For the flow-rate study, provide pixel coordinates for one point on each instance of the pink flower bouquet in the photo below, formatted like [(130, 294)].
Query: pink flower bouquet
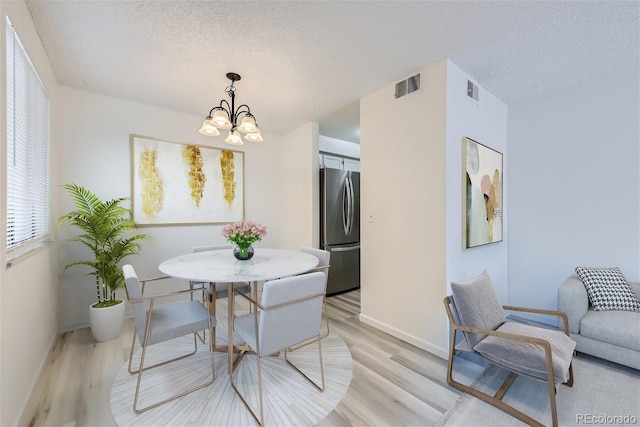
[(244, 233)]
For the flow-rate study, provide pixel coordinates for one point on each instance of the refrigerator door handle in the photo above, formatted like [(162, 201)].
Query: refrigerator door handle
[(352, 204), (345, 249), (345, 206), (347, 186)]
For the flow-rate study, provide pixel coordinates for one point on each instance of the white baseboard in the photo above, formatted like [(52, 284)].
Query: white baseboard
[(441, 352)]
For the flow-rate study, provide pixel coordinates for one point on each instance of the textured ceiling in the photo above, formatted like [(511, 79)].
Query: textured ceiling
[(305, 60)]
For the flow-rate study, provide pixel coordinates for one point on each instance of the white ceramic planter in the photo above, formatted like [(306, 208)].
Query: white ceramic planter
[(106, 323)]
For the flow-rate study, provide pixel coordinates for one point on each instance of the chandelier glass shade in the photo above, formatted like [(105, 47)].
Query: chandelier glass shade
[(227, 116)]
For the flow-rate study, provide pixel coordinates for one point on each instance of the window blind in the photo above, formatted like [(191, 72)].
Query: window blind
[(28, 142)]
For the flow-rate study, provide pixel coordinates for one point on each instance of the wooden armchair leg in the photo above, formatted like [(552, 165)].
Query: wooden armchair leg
[(496, 400)]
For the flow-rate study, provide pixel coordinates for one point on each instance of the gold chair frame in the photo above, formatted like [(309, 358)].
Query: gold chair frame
[(259, 307), (325, 270), (143, 368), (320, 253), (496, 399)]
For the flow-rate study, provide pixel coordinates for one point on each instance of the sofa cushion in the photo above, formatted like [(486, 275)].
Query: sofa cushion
[(608, 289), (621, 328), (526, 358), (477, 305)]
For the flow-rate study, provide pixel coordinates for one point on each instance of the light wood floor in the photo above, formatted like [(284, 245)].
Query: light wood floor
[(393, 384)]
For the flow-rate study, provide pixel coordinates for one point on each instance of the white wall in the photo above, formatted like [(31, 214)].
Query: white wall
[(28, 292), (413, 249), (574, 184), (403, 254), (485, 122), (93, 131), (299, 210)]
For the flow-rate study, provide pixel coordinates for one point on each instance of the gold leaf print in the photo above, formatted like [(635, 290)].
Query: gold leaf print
[(227, 166), (193, 158), (152, 185)]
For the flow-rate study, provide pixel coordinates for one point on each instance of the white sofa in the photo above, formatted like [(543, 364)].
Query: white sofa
[(611, 335)]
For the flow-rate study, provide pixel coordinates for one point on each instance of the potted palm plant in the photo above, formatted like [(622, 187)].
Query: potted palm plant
[(111, 235)]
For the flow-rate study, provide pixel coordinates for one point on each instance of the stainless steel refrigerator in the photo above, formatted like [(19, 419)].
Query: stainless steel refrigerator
[(340, 227)]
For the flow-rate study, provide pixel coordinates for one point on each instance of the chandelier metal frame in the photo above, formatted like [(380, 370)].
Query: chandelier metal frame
[(226, 116)]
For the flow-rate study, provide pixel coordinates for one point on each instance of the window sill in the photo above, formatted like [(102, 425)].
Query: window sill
[(20, 256)]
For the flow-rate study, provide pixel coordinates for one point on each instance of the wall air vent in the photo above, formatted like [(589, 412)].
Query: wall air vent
[(401, 89), (407, 86), (472, 91)]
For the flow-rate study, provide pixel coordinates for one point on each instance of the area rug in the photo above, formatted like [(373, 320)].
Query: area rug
[(290, 400), (603, 393)]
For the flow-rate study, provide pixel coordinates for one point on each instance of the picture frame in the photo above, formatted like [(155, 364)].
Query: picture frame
[(175, 183), (482, 182)]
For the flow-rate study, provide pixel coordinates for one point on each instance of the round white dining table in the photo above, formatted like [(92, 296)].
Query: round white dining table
[(222, 268)]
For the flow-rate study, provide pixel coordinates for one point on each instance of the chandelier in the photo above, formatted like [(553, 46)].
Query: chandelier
[(226, 116)]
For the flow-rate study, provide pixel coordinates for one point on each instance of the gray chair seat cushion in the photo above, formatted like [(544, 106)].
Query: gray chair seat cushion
[(177, 320), (526, 358), (621, 328)]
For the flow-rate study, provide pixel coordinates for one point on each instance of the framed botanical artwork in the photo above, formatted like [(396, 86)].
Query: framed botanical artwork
[(175, 183), (482, 193)]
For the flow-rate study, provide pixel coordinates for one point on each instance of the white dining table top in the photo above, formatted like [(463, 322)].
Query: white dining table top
[(220, 266)]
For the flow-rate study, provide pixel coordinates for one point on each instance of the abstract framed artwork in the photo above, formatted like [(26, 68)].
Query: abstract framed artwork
[(482, 192), (175, 183)]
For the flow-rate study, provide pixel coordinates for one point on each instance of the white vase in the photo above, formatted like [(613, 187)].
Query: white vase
[(106, 323)]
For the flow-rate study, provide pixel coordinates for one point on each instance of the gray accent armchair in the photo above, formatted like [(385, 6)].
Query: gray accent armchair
[(544, 354)]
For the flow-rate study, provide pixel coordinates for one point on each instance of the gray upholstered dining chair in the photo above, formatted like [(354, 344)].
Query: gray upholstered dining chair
[(323, 265), (154, 325), (522, 349), (290, 313)]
